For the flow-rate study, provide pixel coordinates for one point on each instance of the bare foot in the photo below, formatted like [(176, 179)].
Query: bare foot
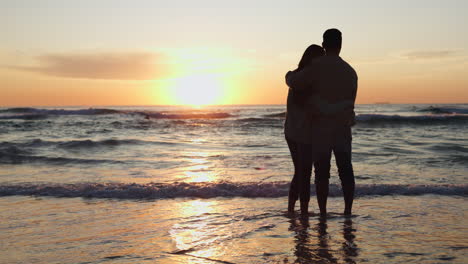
[(290, 214), (292, 198)]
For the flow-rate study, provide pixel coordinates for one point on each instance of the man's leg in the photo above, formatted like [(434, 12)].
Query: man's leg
[(342, 151), (322, 176)]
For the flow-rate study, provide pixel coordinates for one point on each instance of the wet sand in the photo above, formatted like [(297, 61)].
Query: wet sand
[(427, 229)]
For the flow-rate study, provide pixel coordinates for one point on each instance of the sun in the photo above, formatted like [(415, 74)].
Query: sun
[(197, 90)]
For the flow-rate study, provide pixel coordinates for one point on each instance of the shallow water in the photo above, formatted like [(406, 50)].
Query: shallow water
[(399, 229), (392, 144)]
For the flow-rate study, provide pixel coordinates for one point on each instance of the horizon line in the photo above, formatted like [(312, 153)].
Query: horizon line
[(213, 105)]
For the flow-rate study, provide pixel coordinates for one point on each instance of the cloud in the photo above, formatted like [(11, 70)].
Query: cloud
[(105, 66), (433, 54)]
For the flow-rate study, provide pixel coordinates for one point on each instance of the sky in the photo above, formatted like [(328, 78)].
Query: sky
[(154, 52)]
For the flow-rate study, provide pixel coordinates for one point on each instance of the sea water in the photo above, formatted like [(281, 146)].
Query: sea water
[(209, 185)]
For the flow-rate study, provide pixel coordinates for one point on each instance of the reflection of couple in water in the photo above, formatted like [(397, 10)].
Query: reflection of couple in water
[(320, 113), (308, 251)]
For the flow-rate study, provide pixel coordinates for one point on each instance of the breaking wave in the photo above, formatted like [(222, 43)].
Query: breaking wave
[(211, 190), (28, 113)]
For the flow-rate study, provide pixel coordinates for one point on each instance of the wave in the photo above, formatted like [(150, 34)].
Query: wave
[(87, 143), (162, 115), (443, 115), (444, 110), (211, 190), (380, 119), (25, 116), (434, 116), (21, 159), (22, 152), (93, 144), (15, 155), (37, 113), (280, 114), (448, 147), (420, 119), (436, 113), (257, 120), (18, 110)]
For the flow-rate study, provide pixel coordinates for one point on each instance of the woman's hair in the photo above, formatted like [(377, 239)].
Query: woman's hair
[(312, 52)]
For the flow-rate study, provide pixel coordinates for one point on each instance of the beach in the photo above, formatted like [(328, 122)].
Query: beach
[(209, 185), (389, 229)]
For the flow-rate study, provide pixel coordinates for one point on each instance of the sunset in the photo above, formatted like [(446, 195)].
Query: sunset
[(58, 53), (207, 131)]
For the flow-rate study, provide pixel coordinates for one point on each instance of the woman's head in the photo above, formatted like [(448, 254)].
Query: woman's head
[(312, 52)]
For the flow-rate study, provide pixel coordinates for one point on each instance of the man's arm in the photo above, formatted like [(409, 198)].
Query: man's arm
[(355, 86), (326, 108)]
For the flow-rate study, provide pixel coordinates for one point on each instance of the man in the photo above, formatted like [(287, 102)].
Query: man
[(333, 80)]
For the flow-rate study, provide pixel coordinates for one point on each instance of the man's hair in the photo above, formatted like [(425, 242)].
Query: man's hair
[(332, 39)]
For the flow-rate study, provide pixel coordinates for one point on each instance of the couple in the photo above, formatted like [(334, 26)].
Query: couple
[(320, 113)]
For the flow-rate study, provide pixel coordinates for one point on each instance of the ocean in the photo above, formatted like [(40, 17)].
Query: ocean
[(167, 184)]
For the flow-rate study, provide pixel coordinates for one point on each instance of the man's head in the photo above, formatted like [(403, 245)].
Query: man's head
[(332, 41)]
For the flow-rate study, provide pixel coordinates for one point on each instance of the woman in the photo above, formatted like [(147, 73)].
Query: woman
[(302, 108)]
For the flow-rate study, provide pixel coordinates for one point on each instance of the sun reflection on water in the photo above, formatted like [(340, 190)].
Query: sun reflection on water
[(196, 236), (199, 236), (201, 169)]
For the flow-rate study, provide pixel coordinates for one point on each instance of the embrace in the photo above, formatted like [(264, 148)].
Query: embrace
[(320, 113)]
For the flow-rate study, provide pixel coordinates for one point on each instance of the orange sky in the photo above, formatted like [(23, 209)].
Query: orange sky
[(57, 54)]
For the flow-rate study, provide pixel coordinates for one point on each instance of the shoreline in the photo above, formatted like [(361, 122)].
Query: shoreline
[(428, 229)]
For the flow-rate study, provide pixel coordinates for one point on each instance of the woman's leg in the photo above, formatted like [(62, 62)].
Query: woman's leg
[(304, 172), (293, 188)]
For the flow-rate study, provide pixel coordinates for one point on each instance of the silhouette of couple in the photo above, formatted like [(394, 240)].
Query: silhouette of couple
[(320, 113)]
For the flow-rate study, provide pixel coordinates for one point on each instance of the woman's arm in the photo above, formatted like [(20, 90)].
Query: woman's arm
[(288, 76), (303, 79)]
